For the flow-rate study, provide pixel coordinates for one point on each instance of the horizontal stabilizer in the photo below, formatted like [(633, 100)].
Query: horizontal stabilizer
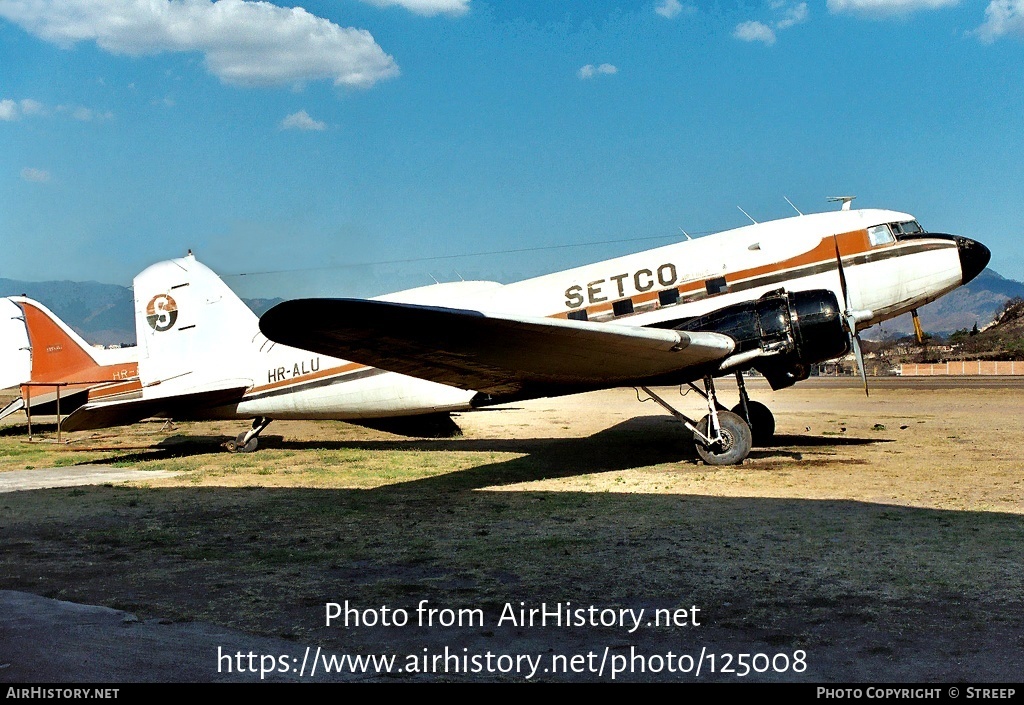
[(492, 353), (15, 406), (176, 406)]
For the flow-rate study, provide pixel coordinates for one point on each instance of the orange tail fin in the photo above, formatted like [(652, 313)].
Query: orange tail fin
[(58, 353)]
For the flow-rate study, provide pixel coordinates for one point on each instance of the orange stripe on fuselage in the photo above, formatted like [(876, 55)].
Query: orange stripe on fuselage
[(348, 367), (851, 243), (112, 390)]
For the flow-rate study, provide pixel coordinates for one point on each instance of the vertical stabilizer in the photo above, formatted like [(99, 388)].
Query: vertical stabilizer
[(58, 353), (41, 353), (191, 328)]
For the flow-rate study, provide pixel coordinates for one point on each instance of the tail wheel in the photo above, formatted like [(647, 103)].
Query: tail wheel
[(240, 446), (762, 422), (734, 445)]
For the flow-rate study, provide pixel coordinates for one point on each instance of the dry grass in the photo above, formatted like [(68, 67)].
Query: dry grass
[(862, 545)]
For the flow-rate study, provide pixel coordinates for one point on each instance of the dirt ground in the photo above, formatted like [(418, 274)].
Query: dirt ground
[(877, 539)]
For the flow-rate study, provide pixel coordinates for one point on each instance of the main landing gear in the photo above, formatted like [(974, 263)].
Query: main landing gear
[(725, 437), (721, 437), (758, 416), (246, 442)]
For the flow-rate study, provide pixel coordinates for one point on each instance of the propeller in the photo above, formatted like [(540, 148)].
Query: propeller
[(851, 318)]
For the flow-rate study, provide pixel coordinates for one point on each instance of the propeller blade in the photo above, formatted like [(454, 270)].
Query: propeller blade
[(855, 343), (842, 276), (850, 320)]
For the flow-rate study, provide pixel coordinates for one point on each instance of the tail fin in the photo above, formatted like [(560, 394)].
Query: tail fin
[(40, 350), (58, 353), (190, 325)]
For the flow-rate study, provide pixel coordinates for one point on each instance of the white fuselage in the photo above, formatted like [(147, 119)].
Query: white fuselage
[(216, 338)]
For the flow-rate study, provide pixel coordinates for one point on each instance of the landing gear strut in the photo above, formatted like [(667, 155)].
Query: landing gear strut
[(758, 416), (721, 437), (246, 442)]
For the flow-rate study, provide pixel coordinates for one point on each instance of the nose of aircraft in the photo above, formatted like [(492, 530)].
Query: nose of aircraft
[(974, 257)]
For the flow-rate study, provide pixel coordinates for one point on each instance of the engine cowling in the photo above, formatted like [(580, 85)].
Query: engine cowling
[(792, 331)]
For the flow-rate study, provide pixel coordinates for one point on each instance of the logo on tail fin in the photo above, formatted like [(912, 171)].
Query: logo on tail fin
[(161, 312)]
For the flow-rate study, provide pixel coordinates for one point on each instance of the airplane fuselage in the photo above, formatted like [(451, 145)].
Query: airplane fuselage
[(888, 272)]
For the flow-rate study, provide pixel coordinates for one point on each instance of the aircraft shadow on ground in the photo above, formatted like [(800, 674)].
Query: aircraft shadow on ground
[(868, 589), (636, 443)]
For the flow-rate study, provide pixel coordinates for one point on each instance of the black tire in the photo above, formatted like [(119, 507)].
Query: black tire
[(762, 422), (735, 444), (236, 446)]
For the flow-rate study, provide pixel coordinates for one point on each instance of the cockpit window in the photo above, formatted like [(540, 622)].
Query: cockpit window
[(910, 227), (880, 235)]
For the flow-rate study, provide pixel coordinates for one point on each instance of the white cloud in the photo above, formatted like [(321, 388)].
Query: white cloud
[(302, 121), (754, 31), (11, 110), (8, 110), (589, 71), (427, 7), (796, 14), (1002, 17), (244, 43), (673, 8), (31, 107), (886, 8), (36, 175)]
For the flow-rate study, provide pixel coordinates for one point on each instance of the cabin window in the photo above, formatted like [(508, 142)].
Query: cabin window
[(910, 227), (668, 297), (880, 235), (622, 308), (580, 315), (716, 286)]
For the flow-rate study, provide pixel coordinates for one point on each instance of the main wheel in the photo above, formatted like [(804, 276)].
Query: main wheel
[(734, 445), (762, 422), (239, 446)]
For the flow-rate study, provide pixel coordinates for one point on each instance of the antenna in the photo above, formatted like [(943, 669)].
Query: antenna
[(748, 215), (791, 203), (685, 233), (846, 200)]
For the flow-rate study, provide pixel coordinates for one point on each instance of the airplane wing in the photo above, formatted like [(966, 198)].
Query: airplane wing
[(176, 405), (502, 355)]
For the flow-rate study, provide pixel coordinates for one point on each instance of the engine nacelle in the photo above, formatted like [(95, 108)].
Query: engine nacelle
[(791, 330)]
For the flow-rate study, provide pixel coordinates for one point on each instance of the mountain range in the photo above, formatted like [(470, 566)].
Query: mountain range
[(103, 313)]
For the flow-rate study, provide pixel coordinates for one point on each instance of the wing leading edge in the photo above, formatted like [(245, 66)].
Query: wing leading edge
[(501, 355)]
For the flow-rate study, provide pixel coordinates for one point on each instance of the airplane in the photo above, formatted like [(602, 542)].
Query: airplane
[(55, 368), (765, 296), (776, 297)]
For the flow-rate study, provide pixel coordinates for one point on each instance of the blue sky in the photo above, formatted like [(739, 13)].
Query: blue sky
[(344, 147)]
